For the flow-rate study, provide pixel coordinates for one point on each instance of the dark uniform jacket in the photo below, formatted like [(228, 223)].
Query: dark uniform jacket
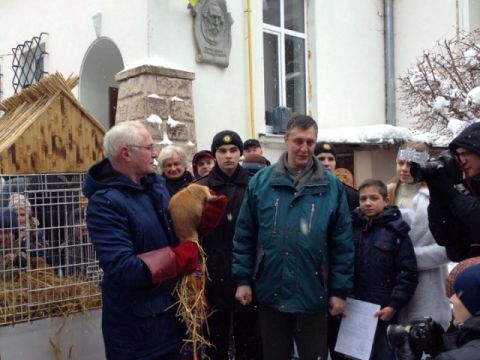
[(220, 288), (352, 196)]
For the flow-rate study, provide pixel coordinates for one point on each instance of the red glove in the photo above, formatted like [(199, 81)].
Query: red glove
[(186, 256), (213, 210), (166, 263)]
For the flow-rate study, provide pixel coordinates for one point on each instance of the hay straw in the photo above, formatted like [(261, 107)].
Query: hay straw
[(40, 293), (192, 305)]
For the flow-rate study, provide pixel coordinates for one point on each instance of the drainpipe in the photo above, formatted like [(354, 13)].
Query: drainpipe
[(389, 64), (250, 69)]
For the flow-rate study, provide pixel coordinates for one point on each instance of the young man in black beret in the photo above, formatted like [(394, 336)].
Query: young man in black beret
[(227, 178), (327, 155)]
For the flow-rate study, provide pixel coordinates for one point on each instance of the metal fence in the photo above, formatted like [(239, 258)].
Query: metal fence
[(48, 266)]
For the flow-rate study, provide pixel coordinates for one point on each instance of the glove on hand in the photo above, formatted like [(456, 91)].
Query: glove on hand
[(213, 210), (186, 256), (168, 262)]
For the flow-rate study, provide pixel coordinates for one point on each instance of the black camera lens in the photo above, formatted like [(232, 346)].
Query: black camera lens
[(430, 170)]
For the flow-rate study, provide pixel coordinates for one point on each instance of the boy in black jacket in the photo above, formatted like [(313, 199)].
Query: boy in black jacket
[(385, 263)]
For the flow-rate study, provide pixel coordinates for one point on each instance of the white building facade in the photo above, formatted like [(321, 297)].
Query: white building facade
[(323, 57), (326, 58)]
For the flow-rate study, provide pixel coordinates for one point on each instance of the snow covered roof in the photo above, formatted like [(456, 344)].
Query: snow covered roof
[(388, 134), (371, 134)]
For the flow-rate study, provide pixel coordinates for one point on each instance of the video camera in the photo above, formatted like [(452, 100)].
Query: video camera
[(431, 168), (423, 335)]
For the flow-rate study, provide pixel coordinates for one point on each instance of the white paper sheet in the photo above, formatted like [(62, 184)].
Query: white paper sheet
[(357, 329)]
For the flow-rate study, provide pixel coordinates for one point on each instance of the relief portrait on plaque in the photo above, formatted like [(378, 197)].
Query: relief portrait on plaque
[(212, 30)]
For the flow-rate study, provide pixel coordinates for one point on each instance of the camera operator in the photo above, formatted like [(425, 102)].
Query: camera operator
[(454, 209), (424, 336)]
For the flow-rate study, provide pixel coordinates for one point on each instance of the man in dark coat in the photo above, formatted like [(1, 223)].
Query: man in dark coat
[(230, 179), (454, 209), (128, 225)]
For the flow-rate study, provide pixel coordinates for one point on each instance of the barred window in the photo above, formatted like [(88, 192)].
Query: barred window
[(28, 62)]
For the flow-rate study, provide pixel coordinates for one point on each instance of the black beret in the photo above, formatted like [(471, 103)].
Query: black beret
[(227, 137)]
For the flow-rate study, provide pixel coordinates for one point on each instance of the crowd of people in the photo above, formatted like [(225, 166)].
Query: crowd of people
[(293, 244), (25, 242)]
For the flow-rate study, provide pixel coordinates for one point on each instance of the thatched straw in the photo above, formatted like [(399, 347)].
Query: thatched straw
[(45, 88)]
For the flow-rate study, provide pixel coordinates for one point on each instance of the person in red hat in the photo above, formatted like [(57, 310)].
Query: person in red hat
[(203, 161)]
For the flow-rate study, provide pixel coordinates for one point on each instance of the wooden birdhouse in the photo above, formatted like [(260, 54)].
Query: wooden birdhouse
[(45, 129)]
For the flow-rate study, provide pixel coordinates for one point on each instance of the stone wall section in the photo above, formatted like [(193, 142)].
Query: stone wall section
[(152, 90)]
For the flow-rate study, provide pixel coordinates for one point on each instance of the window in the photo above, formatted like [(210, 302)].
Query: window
[(28, 62), (284, 55)]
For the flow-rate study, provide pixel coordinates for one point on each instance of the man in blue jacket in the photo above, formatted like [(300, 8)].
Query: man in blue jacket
[(293, 248), (128, 225)]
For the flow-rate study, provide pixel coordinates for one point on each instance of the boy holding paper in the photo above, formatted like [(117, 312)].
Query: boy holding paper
[(385, 264)]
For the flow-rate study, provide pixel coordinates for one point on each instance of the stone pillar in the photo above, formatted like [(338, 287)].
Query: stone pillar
[(152, 90)]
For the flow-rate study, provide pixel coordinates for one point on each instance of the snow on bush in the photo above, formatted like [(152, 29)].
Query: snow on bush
[(442, 90)]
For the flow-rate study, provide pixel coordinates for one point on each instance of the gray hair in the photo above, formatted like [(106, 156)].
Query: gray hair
[(121, 134), (168, 151)]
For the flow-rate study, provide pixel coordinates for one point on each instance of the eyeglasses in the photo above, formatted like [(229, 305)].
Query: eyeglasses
[(152, 147)]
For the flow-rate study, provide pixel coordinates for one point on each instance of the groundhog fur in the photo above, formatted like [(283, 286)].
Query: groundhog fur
[(186, 209)]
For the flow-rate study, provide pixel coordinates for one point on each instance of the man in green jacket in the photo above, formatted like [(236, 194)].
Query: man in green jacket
[(293, 248)]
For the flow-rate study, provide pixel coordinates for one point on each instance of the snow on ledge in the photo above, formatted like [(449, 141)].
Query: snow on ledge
[(373, 134), (154, 61), (370, 134)]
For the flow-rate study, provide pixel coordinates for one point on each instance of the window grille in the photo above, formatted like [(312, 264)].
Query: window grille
[(28, 62), (48, 266)]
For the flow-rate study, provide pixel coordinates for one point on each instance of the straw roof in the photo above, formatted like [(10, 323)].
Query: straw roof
[(45, 88), (22, 109)]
